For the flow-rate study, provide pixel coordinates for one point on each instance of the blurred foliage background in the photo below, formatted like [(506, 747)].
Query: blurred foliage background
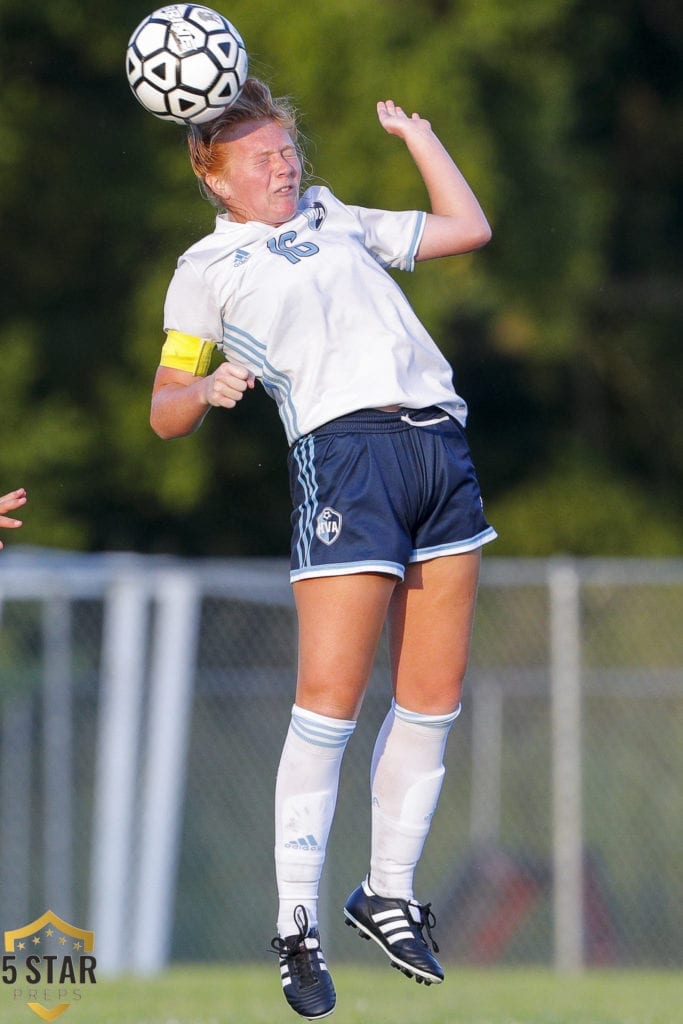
[(565, 332)]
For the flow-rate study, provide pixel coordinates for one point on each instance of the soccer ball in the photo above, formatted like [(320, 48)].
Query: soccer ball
[(186, 63)]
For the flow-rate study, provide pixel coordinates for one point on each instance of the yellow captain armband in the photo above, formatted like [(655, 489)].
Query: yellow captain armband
[(185, 352)]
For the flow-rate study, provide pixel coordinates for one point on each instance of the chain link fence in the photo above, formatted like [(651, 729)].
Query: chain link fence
[(143, 707)]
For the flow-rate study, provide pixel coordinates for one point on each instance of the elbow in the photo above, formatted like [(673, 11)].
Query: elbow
[(165, 435), (159, 430), (157, 424), (482, 235), (172, 412), (168, 429), (162, 429)]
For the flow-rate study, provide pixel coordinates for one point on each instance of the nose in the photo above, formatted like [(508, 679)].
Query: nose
[(286, 165)]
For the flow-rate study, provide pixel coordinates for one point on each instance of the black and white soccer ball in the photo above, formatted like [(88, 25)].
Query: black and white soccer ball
[(186, 63)]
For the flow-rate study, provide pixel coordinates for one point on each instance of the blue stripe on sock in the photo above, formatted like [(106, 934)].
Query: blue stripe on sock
[(416, 718), (320, 730)]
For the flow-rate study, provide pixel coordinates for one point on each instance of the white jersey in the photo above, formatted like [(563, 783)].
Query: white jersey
[(310, 309)]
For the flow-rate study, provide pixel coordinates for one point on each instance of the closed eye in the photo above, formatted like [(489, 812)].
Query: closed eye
[(289, 153)]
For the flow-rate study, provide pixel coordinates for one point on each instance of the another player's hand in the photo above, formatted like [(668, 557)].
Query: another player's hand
[(227, 385), (8, 503), (395, 121)]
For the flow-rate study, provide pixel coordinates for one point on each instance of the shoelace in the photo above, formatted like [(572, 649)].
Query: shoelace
[(293, 948), (428, 921)]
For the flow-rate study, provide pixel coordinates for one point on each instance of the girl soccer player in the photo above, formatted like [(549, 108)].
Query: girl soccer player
[(387, 522)]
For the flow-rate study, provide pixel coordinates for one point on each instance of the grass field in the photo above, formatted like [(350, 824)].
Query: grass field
[(251, 995)]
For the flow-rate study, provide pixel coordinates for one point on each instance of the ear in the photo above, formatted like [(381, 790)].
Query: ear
[(218, 185)]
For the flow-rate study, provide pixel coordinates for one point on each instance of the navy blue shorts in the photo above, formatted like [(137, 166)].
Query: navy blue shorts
[(374, 491)]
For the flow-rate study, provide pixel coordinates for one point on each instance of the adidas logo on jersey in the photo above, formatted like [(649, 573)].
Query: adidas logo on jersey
[(241, 256)]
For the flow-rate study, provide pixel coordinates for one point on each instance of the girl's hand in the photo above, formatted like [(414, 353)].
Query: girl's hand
[(227, 385), (395, 121), (8, 503)]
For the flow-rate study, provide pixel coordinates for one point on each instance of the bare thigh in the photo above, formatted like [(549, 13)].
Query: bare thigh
[(340, 625), (431, 619)]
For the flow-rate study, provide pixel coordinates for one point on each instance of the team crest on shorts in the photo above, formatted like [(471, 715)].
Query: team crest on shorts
[(328, 525)]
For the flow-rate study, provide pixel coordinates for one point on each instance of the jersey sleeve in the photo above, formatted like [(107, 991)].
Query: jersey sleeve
[(392, 237), (190, 307)]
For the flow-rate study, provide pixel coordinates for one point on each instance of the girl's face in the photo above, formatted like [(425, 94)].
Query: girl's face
[(261, 174)]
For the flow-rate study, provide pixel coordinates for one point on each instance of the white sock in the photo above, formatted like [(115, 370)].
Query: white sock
[(305, 798), (406, 777)]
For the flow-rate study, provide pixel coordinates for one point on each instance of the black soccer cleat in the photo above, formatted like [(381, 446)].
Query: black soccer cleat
[(397, 927), (306, 982)]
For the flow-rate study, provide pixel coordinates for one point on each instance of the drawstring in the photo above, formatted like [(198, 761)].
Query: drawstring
[(422, 423)]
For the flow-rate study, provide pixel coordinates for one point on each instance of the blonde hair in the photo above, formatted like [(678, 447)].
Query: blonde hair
[(255, 103)]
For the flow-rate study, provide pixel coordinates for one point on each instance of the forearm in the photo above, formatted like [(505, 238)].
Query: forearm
[(177, 409), (457, 222), (181, 400), (448, 191)]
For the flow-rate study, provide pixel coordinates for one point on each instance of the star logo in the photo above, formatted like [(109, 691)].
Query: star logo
[(51, 957)]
